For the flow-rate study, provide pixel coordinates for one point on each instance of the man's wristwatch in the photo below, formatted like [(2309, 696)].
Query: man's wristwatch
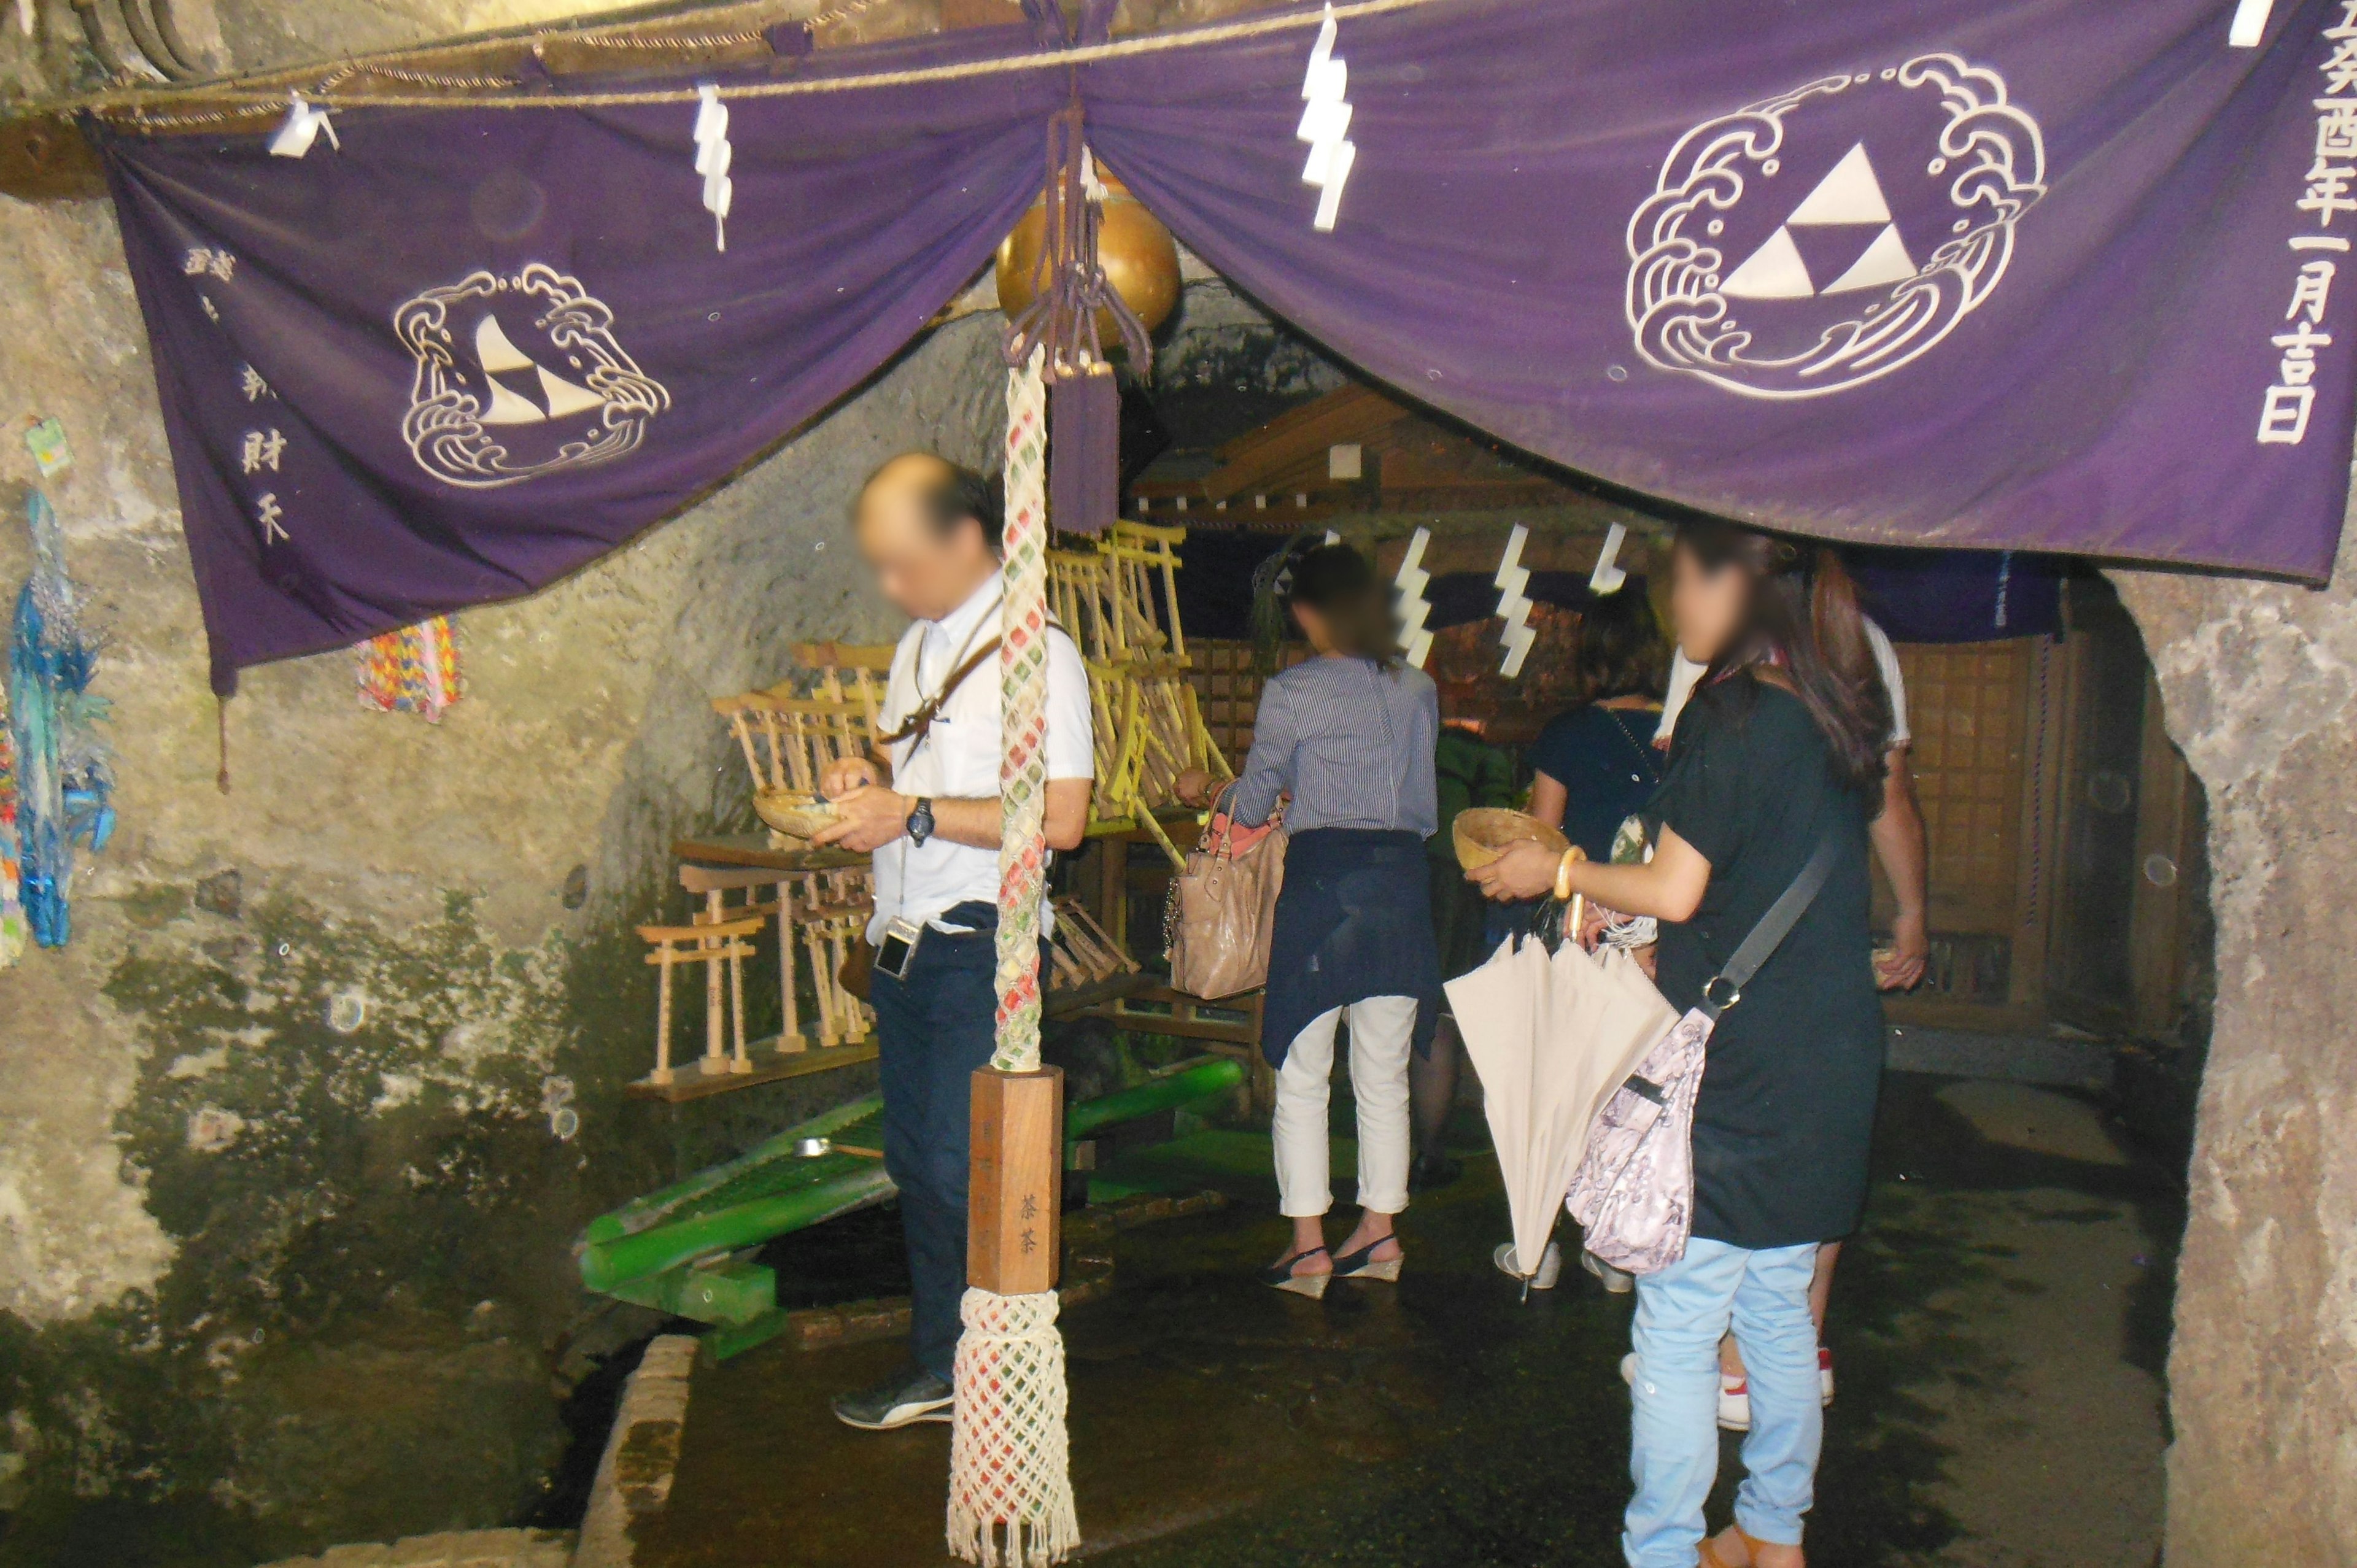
[(921, 820)]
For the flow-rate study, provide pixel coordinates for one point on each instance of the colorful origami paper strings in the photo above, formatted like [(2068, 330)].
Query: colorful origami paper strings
[(13, 930), (412, 670), (64, 780)]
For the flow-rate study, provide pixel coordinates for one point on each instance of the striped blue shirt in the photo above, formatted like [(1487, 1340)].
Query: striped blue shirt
[(1354, 743)]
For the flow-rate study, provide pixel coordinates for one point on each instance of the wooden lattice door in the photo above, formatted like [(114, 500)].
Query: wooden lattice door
[(1986, 745)]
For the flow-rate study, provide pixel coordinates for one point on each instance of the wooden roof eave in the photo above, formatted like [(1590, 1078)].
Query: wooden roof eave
[(1257, 461)]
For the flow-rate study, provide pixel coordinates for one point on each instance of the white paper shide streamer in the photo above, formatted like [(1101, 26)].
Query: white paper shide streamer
[(301, 127), (1414, 609), (713, 155), (1513, 603), (1609, 576), (1326, 125)]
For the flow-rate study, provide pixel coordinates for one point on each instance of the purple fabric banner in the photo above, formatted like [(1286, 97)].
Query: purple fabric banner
[(2061, 275), (2054, 274), (477, 348)]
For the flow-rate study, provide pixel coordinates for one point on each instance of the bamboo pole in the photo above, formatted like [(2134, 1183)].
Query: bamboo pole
[(789, 1030), (714, 1054), (663, 1073)]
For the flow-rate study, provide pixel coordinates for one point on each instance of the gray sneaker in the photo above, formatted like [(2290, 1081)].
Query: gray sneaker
[(906, 1396), (1550, 1264)]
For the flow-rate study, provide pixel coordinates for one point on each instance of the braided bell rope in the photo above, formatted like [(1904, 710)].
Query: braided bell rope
[(1011, 1499), (1023, 723)]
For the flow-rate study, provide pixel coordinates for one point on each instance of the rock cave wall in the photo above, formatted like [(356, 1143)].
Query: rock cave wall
[(281, 1138), (2260, 685)]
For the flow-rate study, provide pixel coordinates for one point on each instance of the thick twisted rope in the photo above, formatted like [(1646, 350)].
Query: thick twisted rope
[(131, 102), (1023, 723), (1010, 1465)]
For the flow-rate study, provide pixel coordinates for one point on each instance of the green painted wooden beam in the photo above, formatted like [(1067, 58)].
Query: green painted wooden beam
[(772, 1190), (850, 1182), (1199, 1080)]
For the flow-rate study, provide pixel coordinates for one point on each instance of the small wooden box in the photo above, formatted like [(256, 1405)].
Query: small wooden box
[(1013, 1206)]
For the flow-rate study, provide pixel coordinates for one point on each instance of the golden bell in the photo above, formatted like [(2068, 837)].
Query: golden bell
[(1140, 260)]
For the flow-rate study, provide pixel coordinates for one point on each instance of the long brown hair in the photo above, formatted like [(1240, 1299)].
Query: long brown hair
[(1803, 618)]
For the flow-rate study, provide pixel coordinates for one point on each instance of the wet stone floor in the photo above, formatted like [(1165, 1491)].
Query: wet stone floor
[(1998, 1333)]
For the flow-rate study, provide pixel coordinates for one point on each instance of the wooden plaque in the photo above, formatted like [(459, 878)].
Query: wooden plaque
[(1013, 1202)]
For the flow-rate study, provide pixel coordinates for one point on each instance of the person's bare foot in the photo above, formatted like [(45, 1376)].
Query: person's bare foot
[(1731, 1548), (1370, 1228), (1313, 1260)]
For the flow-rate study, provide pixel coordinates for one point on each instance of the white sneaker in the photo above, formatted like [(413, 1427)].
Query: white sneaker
[(1550, 1264), (1735, 1393), (1734, 1403)]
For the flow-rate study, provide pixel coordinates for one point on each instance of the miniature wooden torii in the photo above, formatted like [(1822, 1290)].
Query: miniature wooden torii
[(1120, 603)]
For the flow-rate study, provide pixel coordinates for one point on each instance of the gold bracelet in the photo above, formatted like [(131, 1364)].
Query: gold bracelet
[(1563, 874)]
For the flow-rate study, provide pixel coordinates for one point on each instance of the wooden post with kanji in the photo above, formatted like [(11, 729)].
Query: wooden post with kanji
[(1013, 1200)]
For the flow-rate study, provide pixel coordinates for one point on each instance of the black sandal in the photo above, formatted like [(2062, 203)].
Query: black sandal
[(1360, 1265), (1282, 1276)]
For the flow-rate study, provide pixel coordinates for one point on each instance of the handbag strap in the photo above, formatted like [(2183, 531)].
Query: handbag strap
[(1769, 933), (1219, 835)]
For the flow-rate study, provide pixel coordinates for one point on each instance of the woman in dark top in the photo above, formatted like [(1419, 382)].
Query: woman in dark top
[(1348, 736), (1596, 763), (1780, 750)]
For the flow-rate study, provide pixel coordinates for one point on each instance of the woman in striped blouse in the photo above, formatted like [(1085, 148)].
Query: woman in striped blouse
[(1349, 737)]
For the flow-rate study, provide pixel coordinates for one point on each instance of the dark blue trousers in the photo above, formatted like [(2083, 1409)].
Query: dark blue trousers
[(933, 1030)]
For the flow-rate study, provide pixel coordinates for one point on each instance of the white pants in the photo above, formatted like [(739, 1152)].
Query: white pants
[(1382, 1030)]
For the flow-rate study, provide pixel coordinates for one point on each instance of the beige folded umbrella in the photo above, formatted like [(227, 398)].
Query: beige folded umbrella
[(1551, 1040)]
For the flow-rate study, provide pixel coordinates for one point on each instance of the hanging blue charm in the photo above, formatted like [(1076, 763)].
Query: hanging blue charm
[(63, 781)]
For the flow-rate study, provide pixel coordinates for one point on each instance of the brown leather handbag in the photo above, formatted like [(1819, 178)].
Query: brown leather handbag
[(858, 971), (1222, 907)]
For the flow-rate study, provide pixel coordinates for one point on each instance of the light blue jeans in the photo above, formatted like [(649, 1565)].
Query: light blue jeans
[(1682, 1313)]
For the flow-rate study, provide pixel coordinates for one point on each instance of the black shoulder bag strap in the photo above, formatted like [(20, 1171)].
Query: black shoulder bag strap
[(1724, 988), (921, 720)]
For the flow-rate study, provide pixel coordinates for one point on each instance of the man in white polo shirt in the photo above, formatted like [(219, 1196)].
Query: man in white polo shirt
[(931, 532)]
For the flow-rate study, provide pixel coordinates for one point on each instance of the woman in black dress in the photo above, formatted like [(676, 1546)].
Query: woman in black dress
[(1779, 751)]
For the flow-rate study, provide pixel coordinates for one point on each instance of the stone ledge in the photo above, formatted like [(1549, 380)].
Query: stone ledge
[(2007, 1058), (634, 1478), (454, 1549)]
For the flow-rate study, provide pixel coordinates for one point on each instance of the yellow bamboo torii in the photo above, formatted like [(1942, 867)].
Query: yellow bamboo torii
[(1120, 603)]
